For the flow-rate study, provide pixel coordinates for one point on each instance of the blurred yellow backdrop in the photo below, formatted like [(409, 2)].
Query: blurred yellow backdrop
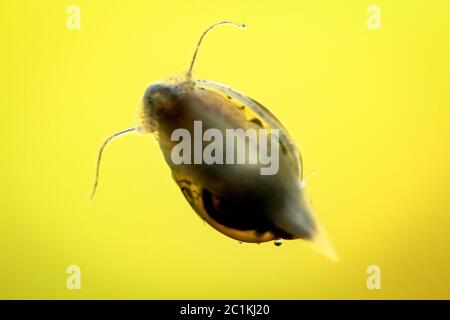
[(369, 109)]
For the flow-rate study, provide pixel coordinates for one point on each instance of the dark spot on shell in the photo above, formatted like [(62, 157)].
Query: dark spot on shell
[(229, 97), (283, 148), (257, 122), (184, 181), (187, 193), (231, 212)]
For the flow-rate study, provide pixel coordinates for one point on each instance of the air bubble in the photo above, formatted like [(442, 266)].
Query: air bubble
[(278, 242)]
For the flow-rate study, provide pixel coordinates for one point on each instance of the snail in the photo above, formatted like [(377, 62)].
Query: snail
[(236, 199)]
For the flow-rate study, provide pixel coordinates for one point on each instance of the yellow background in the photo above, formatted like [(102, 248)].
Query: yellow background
[(369, 109)]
